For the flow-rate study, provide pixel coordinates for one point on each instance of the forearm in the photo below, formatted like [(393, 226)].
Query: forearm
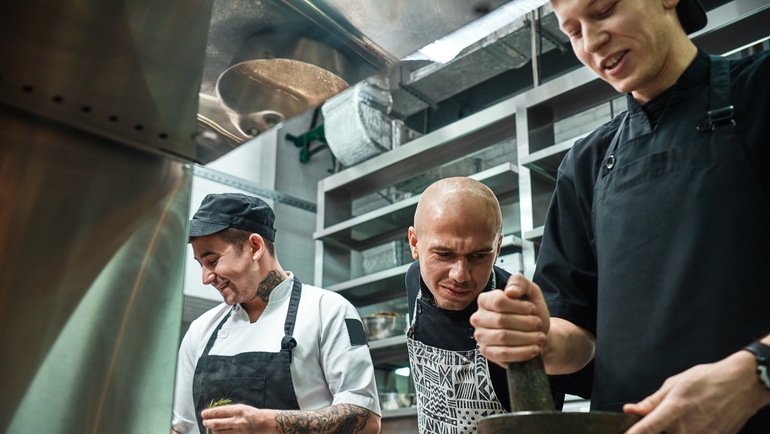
[(346, 418), (569, 347)]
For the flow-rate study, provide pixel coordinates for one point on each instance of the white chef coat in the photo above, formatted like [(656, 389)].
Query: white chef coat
[(326, 369)]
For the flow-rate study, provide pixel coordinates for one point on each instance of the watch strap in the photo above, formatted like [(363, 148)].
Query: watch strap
[(762, 353)]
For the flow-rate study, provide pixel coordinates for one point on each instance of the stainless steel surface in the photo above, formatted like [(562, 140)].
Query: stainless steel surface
[(463, 137), (350, 39), (98, 103), (242, 184), (128, 70), (93, 235), (258, 94), (383, 325), (396, 400), (499, 41), (356, 124)]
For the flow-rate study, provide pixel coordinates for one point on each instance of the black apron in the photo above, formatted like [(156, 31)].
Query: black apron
[(258, 379), (681, 274)]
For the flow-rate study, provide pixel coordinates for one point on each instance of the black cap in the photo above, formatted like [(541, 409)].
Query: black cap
[(692, 15), (233, 210)]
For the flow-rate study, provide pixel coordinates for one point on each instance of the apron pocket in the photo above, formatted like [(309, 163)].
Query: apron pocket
[(241, 390)]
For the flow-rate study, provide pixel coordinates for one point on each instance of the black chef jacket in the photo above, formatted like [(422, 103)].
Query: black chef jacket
[(664, 310)]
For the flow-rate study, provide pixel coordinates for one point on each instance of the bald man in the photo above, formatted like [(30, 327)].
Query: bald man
[(456, 238)]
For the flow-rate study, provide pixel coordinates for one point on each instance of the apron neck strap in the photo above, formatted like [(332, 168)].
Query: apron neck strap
[(213, 336), (288, 342), (720, 112)]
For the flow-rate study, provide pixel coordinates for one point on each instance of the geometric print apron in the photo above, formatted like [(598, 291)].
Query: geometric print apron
[(453, 388)]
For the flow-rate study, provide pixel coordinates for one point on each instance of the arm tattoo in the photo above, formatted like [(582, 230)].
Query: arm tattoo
[(340, 418), (268, 284)]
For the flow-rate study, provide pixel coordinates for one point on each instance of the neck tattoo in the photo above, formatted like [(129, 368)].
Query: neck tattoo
[(268, 284)]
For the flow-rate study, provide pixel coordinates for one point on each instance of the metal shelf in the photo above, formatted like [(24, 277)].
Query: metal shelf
[(374, 288), (400, 412), (535, 234), (546, 161), (367, 230), (390, 350), (466, 136)]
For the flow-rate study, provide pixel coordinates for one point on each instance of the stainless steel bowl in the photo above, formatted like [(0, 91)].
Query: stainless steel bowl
[(383, 325), (393, 400)]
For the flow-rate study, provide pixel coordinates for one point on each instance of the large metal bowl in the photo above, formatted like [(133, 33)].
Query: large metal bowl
[(548, 422), (383, 325)]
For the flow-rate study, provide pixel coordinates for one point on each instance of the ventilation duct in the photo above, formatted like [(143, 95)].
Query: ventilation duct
[(498, 42)]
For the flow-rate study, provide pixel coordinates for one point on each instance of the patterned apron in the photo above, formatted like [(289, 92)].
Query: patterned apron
[(454, 388)]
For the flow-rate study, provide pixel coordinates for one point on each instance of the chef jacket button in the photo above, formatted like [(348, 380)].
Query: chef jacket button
[(470, 332), (610, 162), (223, 334)]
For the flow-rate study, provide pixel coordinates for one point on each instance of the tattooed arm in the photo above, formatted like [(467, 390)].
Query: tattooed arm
[(339, 418)]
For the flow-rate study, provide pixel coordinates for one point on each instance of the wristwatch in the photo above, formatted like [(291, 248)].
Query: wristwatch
[(762, 352)]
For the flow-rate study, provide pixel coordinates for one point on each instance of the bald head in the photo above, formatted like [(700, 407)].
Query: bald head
[(461, 199), (457, 235)]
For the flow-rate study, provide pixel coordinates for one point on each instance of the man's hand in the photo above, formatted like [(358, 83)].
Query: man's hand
[(237, 418), (715, 398), (511, 325)]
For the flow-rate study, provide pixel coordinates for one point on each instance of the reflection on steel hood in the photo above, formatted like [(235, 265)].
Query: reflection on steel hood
[(350, 39), (258, 94)]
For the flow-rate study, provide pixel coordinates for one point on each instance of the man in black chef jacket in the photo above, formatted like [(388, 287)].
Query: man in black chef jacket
[(456, 238), (655, 249)]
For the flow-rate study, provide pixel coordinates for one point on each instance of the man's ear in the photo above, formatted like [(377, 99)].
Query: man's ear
[(257, 245), (412, 235)]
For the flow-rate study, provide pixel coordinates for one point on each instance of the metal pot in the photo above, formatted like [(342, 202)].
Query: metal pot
[(393, 400), (383, 325)]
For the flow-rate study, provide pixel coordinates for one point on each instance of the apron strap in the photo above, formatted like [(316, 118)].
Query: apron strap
[(720, 112), (609, 156), (288, 342), (213, 336)]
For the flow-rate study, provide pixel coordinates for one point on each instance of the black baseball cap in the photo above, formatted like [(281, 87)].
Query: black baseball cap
[(692, 15), (233, 210)]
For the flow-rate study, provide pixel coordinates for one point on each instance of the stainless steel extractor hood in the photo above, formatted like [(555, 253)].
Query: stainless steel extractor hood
[(339, 41)]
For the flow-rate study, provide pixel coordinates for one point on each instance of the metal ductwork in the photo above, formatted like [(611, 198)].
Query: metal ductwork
[(498, 42), (365, 121)]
